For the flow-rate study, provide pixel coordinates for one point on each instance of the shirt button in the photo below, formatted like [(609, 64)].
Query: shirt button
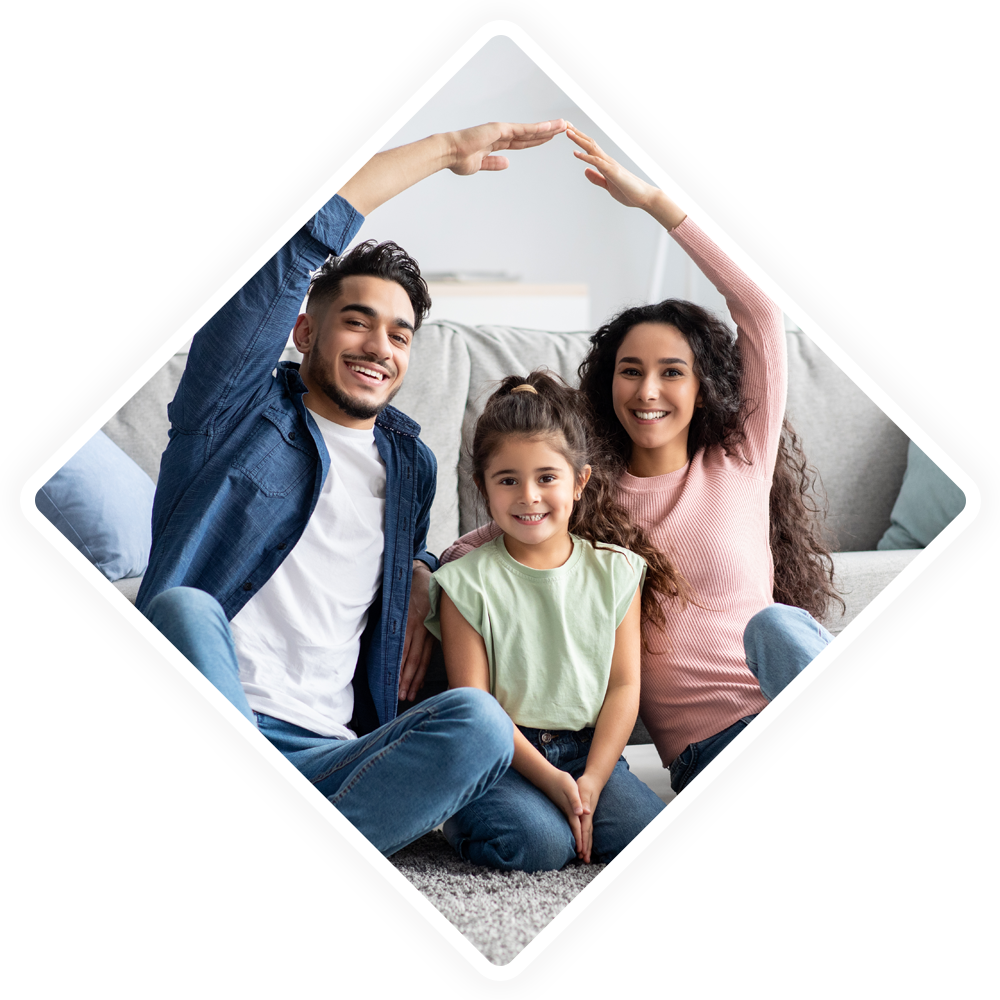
[(282, 546), (291, 435), (248, 585)]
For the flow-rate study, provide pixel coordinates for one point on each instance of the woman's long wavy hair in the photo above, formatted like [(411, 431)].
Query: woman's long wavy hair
[(803, 568), (560, 416)]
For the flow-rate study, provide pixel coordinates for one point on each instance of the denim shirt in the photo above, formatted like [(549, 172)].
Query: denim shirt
[(245, 464)]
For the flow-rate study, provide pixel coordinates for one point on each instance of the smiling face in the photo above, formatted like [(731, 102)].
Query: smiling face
[(655, 392), (531, 489), (356, 349)]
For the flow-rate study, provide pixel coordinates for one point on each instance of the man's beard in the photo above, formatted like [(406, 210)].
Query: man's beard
[(356, 408)]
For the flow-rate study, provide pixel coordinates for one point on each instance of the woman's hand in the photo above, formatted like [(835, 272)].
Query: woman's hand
[(621, 184)]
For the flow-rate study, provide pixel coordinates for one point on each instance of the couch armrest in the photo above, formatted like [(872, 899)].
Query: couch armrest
[(859, 577)]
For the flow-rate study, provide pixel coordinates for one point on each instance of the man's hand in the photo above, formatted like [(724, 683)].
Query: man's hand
[(473, 149), (464, 152), (419, 643)]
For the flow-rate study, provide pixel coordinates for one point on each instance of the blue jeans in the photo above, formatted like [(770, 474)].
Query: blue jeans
[(779, 642), (516, 826), (394, 784)]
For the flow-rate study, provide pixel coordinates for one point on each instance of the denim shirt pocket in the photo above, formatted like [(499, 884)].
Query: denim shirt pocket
[(277, 453)]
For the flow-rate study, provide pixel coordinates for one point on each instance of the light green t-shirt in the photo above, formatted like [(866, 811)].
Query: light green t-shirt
[(549, 633)]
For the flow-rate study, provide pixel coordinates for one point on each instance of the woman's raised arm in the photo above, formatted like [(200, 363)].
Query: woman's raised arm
[(758, 320), (622, 184)]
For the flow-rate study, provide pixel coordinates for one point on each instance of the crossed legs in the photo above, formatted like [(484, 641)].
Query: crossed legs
[(394, 784), (516, 827)]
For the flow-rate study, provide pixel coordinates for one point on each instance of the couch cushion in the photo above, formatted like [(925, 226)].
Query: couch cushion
[(103, 503), (140, 427), (434, 393), (495, 352), (860, 577), (859, 452), (928, 502)]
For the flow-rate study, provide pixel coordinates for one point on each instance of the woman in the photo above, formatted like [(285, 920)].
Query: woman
[(694, 421)]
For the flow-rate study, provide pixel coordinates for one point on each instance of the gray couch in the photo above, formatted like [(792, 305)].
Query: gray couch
[(859, 452)]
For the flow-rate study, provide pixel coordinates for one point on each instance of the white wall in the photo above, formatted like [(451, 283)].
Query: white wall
[(540, 219)]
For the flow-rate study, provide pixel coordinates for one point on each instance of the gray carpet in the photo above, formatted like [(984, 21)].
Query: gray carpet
[(499, 912)]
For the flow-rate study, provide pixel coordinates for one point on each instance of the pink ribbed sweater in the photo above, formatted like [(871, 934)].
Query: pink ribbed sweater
[(711, 517)]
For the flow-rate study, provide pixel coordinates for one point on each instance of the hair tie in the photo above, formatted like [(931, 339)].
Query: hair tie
[(524, 387)]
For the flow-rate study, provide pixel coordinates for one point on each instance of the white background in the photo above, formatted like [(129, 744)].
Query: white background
[(147, 849)]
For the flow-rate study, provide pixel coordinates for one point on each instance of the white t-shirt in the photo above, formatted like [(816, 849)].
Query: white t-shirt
[(298, 638)]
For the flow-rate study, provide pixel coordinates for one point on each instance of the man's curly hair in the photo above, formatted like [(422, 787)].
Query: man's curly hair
[(378, 260)]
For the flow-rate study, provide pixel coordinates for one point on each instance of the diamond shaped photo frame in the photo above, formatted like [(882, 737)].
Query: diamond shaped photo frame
[(744, 755)]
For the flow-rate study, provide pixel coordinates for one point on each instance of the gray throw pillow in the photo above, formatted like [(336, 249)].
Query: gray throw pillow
[(103, 503), (928, 501)]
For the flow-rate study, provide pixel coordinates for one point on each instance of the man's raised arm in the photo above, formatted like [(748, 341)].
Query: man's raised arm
[(464, 152), (235, 351), (233, 354)]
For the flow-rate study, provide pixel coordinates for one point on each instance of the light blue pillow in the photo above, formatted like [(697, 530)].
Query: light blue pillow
[(928, 501), (103, 503)]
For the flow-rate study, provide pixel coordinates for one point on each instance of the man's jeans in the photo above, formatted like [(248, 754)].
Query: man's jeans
[(394, 784), (779, 642), (516, 826)]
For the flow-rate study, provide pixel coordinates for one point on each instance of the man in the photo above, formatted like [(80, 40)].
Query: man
[(292, 511)]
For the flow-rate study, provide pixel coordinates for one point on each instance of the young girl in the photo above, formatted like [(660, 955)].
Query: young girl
[(546, 617), (693, 423)]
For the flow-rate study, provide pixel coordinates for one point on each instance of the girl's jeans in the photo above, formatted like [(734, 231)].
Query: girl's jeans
[(394, 784), (780, 642), (515, 826)]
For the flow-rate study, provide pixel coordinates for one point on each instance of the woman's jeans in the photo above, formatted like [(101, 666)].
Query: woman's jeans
[(516, 826), (780, 642), (394, 784)]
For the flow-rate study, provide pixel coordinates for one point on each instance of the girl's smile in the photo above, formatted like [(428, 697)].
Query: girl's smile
[(531, 489)]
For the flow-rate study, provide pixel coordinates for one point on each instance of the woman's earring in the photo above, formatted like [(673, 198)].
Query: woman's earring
[(577, 497)]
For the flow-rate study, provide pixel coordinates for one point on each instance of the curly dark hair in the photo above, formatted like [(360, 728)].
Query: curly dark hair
[(386, 260), (803, 568), (561, 415)]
